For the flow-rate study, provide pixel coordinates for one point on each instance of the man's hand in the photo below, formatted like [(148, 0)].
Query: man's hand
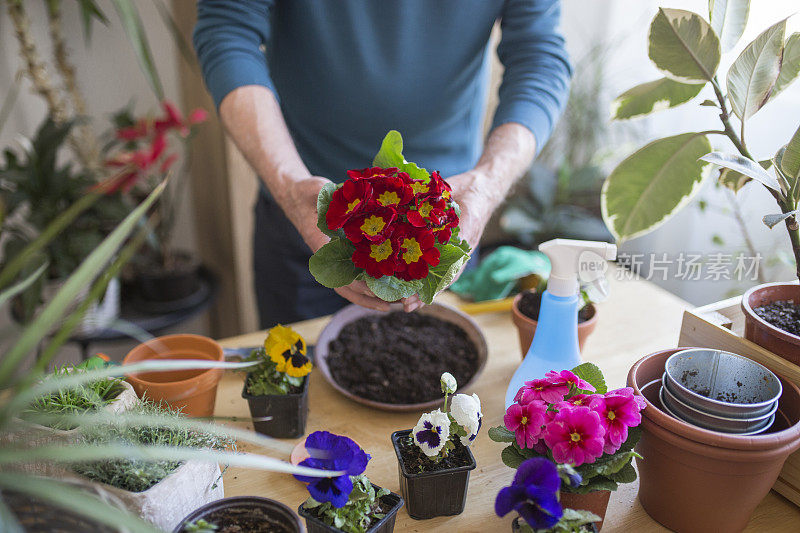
[(475, 207)]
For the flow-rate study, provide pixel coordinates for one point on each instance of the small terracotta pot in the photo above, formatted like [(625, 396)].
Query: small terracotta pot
[(692, 479), (761, 332), (194, 391), (526, 327), (267, 512), (431, 494), (384, 525), (288, 412), (595, 502)]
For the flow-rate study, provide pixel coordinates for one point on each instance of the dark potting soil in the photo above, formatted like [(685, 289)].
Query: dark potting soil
[(245, 520), (400, 357), (782, 314), (530, 303), (416, 461), (722, 396)]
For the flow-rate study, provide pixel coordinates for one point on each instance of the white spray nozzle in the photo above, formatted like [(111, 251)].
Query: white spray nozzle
[(571, 258)]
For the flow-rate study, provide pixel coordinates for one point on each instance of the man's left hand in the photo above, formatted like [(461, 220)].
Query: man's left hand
[(475, 207)]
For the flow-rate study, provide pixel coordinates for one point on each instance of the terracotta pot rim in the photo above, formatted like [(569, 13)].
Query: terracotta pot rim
[(524, 319), (748, 310), (209, 372), (767, 442)]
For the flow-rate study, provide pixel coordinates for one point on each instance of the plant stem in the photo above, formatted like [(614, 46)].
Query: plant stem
[(726, 122)]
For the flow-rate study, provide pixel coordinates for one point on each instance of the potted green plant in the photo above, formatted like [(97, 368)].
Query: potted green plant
[(534, 495), (571, 418), (243, 514), (276, 389), (649, 187), (349, 502), (433, 458)]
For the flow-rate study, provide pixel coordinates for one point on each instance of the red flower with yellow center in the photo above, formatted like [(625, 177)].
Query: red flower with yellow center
[(347, 201), (429, 212), (444, 230), (377, 258), (374, 172), (391, 191), (417, 252), (375, 224)]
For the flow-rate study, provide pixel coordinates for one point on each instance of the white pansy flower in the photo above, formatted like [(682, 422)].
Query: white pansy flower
[(448, 382), (466, 411), (431, 432)]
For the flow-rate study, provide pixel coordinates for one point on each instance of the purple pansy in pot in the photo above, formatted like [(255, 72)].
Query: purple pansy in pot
[(338, 453), (533, 494), (431, 432)]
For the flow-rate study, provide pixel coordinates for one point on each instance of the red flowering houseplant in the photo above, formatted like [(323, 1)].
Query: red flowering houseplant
[(394, 226), (571, 418)]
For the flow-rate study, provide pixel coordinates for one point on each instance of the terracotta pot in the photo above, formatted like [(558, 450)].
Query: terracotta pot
[(259, 510), (595, 502), (194, 391), (288, 412), (763, 333), (431, 494), (692, 479), (526, 327), (384, 525)]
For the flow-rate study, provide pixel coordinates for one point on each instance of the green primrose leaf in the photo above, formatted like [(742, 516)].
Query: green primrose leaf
[(332, 265), (391, 289), (452, 258), (511, 457), (634, 434), (391, 155), (323, 201), (626, 474), (598, 483), (501, 434), (591, 372)]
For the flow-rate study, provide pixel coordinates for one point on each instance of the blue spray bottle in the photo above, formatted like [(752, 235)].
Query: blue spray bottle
[(555, 343)]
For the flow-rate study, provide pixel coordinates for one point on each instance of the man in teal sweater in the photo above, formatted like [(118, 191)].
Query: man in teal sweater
[(308, 88)]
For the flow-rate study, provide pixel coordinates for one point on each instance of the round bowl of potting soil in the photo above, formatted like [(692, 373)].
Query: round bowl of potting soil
[(393, 361)]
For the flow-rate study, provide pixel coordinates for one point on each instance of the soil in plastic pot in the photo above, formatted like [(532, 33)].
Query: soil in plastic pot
[(595, 502), (432, 489), (399, 357), (389, 505), (289, 412), (167, 283), (244, 514)]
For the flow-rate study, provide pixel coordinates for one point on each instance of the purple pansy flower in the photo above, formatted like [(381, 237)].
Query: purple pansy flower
[(333, 452), (533, 494), (431, 432)]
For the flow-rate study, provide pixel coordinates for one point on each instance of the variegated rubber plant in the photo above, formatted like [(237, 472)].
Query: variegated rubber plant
[(650, 186)]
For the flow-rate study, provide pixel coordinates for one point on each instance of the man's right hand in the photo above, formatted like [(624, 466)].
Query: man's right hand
[(302, 211)]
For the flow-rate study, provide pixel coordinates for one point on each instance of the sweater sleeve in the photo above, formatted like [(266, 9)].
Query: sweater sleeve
[(229, 38), (535, 83)]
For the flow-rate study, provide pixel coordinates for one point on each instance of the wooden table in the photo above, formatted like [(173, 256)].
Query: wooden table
[(637, 319)]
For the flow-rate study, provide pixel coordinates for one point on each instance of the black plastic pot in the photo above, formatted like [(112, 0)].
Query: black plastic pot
[(430, 494), (289, 412), (385, 525), (515, 527), (260, 510), (157, 284)]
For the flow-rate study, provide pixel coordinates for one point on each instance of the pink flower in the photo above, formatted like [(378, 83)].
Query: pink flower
[(618, 410), (565, 376), (577, 399), (526, 422), (575, 436), (541, 389)]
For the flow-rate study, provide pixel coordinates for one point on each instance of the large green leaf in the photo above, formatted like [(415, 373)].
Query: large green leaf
[(332, 265), (728, 18), (91, 267), (648, 187), (391, 289), (391, 155), (501, 434), (790, 67), (452, 258), (653, 96), (744, 166), (591, 373), (790, 160), (683, 46), (754, 73), (323, 201), (734, 180), (511, 457), (134, 29)]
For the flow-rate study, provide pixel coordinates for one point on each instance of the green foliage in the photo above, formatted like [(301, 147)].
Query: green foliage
[(361, 511), (653, 183), (134, 29), (790, 160), (390, 288), (753, 75), (390, 155), (743, 166), (683, 46), (513, 456), (264, 379), (573, 521), (653, 96), (453, 257), (137, 475), (89, 397), (332, 265), (323, 201), (790, 66), (501, 434), (200, 526), (728, 18), (591, 373)]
